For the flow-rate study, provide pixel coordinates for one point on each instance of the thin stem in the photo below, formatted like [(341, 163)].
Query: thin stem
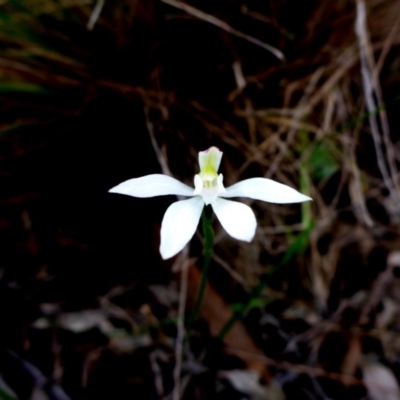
[(176, 393), (208, 234)]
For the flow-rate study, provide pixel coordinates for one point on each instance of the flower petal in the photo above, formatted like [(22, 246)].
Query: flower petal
[(265, 190), (153, 185), (236, 218), (210, 158), (179, 225)]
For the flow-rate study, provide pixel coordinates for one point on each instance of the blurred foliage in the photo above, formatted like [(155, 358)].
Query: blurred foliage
[(322, 162)]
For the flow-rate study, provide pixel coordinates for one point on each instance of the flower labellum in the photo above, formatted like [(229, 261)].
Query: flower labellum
[(182, 217)]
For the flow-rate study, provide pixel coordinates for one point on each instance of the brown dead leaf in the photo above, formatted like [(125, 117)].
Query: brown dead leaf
[(380, 382)]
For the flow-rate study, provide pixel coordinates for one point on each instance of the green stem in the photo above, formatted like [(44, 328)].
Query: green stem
[(208, 234)]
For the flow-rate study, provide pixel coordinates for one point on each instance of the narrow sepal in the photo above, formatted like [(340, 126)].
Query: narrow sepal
[(153, 185), (265, 190)]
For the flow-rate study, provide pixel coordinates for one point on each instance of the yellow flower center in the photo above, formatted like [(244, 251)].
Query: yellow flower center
[(209, 176)]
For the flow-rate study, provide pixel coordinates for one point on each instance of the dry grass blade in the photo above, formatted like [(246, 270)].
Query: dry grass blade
[(371, 89), (182, 260), (95, 14), (223, 25), (305, 369), (355, 186), (176, 395), (382, 112), (299, 113)]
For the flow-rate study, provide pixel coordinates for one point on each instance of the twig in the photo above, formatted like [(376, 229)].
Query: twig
[(299, 113), (184, 273), (45, 386), (355, 185), (176, 394), (391, 158), (300, 369), (379, 287), (386, 47), (95, 14), (237, 277), (344, 62), (367, 67), (223, 25), (162, 160)]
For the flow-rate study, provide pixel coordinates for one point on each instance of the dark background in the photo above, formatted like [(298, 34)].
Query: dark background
[(87, 307)]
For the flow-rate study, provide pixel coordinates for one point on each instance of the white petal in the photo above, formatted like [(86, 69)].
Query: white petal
[(236, 218), (179, 225), (265, 190), (211, 157), (153, 185), (198, 184)]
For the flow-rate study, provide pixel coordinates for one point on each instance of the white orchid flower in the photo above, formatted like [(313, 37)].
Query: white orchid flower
[(182, 217)]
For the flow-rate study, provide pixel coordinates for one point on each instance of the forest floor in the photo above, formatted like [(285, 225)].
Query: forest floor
[(93, 93)]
